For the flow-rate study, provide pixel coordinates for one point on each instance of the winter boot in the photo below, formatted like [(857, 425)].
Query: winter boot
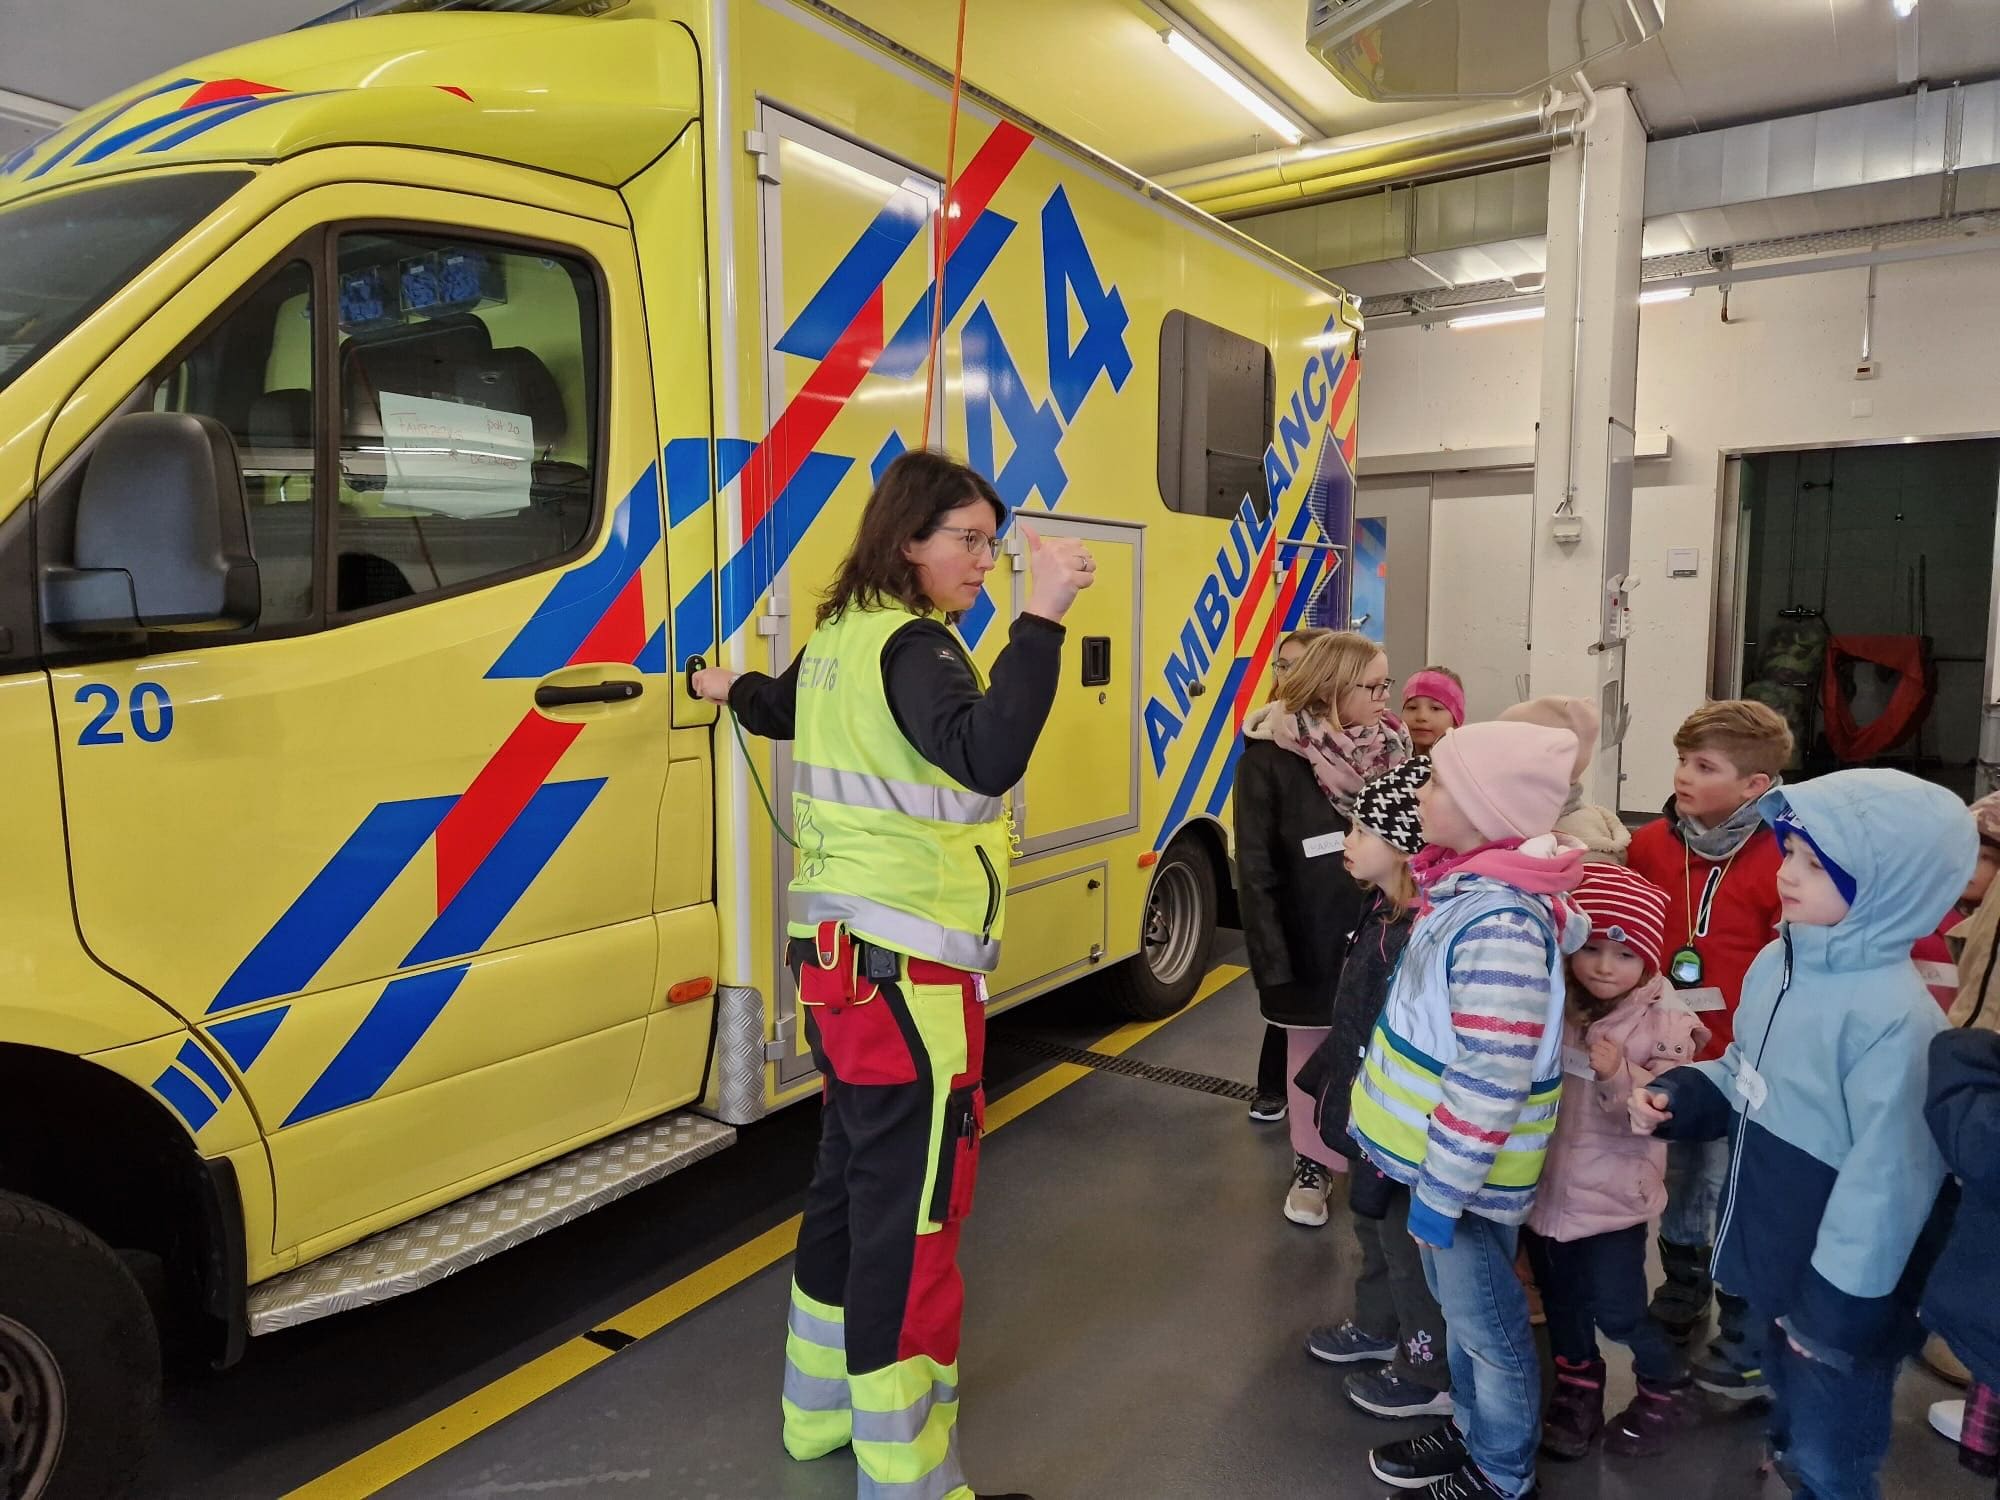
[(1646, 1427), (1576, 1410), (1682, 1300)]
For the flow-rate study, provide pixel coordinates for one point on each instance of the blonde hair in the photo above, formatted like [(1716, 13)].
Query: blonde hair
[(1304, 636), (1754, 737), (1331, 666), (1402, 893)]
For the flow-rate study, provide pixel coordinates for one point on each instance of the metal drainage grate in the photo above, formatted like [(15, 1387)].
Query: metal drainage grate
[(1129, 1067)]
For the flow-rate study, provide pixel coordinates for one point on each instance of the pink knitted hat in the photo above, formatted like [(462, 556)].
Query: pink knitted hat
[(1627, 908), (1436, 685), (1577, 715), (1510, 780)]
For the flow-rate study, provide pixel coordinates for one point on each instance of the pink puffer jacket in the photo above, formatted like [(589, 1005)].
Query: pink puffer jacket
[(1600, 1176)]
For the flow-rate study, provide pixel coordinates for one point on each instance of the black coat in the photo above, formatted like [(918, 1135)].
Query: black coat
[(1329, 1074), (1297, 908), (1962, 1105)]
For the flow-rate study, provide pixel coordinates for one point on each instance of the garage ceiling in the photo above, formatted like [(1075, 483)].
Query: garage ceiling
[(1096, 69)]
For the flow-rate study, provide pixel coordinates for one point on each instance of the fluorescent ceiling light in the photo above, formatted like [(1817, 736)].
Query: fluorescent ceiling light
[(1495, 319), (1666, 294), (1904, 8), (1211, 67)]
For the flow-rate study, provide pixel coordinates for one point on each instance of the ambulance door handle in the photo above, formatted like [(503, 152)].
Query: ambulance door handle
[(622, 690)]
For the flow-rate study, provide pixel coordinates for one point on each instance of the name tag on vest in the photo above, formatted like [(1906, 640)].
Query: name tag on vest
[(1326, 843)]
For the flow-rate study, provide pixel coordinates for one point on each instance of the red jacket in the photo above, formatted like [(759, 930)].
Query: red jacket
[(1742, 909), (1935, 962)]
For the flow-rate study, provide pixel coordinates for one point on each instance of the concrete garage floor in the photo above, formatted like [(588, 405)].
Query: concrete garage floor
[(1135, 1308)]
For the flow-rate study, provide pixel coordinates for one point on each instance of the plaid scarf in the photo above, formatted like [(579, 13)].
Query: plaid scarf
[(1342, 759)]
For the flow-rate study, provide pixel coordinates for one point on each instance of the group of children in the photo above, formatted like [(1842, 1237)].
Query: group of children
[(1541, 1036)]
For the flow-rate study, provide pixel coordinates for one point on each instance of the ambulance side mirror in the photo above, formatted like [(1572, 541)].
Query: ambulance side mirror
[(162, 533)]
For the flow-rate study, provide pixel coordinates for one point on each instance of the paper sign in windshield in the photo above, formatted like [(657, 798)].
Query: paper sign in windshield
[(448, 459)]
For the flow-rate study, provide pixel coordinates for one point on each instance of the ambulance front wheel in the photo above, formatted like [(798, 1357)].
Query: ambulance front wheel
[(1175, 937), (79, 1360)]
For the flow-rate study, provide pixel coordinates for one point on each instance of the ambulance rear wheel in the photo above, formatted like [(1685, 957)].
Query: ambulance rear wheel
[(79, 1360), (1174, 939)]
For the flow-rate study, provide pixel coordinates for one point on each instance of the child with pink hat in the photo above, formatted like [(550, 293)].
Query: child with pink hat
[(1457, 1096), (1433, 706)]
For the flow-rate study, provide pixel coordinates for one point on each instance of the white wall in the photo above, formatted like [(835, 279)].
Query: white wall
[(1781, 372)]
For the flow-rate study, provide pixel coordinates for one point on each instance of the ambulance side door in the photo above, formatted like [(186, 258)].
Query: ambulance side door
[(390, 841)]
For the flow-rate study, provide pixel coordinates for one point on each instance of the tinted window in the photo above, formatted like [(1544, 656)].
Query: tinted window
[(468, 400), (63, 255), (1218, 400)]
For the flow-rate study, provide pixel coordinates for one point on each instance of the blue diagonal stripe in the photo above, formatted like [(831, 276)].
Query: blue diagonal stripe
[(186, 1097), (497, 886), (653, 655), (969, 263), (573, 607), (328, 910), (694, 619), (387, 1034), (748, 574), (1219, 718), (119, 140), (245, 1038), (863, 269), (243, 107), (119, 113), (203, 1067)]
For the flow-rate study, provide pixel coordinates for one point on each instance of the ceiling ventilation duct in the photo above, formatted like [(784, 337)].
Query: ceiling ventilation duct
[(1396, 50)]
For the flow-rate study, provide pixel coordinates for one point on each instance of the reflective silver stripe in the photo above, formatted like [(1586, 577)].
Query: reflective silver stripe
[(896, 929), (939, 804), (817, 1330), (904, 1426), (814, 1392), (936, 1485)]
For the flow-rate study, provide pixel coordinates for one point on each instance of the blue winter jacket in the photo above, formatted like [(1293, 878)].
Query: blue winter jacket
[(1960, 1301), (1834, 1175)]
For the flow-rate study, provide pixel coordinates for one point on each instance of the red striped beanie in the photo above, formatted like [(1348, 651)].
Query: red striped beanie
[(1627, 908)]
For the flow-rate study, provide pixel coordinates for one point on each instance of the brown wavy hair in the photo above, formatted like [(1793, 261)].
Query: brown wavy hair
[(910, 502)]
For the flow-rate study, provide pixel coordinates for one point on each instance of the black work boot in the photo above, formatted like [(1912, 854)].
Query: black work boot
[(1681, 1303)]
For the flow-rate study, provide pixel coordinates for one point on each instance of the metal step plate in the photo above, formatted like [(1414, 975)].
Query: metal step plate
[(473, 1229)]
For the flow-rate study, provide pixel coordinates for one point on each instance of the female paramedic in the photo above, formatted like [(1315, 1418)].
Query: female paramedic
[(903, 758)]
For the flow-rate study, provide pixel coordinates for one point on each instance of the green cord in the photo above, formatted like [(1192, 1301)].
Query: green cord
[(758, 782)]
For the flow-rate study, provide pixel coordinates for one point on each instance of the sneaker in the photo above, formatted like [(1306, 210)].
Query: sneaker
[(1346, 1344), (1723, 1371), (1646, 1428), (1576, 1409), (1312, 1185), (1266, 1108), (1948, 1419), (1417, 1462), (1471, 1483), (1384, 1393)]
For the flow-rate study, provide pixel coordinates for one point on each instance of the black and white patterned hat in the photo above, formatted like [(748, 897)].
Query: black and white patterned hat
[(1387, 806)]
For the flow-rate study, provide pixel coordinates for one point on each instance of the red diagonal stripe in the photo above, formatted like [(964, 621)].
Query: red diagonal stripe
[(1260, 579), (1267, 644), (810, 413), (229, 88), (621, 634), (1342, 394), (495, 799)]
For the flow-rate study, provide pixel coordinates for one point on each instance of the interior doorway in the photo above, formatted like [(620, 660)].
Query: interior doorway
[(1864, 577)]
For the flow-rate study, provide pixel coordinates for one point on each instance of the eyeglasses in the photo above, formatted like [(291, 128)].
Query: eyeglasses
[(974, 540), (1380, 689)]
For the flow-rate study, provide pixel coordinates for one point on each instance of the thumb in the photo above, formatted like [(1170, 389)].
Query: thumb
[(1034, 537)]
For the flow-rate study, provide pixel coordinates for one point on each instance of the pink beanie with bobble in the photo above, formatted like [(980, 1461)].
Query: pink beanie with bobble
[(1577, 715), (1510, 780)]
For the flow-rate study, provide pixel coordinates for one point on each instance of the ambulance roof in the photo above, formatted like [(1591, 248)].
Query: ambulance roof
[(590, 97)]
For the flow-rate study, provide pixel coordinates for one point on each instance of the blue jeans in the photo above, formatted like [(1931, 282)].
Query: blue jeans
[(1496, 1379), (1600, 1282), (1697, 1172), (1829, 1427)]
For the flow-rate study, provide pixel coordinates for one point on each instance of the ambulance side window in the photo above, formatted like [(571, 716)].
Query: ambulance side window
[(1218, 401), (253, 372), (469, 397)]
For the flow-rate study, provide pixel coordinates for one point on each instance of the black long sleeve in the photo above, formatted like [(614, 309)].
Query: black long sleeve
[(980, 740), (768, 706)]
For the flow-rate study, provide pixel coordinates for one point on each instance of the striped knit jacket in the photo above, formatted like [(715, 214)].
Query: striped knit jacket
[(1457, 1098)]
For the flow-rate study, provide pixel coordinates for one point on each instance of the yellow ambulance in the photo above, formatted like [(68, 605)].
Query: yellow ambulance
[(389, 412)]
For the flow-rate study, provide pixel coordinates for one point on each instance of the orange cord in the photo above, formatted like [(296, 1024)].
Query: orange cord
[(943, 232)]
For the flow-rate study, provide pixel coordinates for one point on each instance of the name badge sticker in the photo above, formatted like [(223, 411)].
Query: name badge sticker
[(1750, 1084), (1706, 998), (1326, 843), (1576, 1063)]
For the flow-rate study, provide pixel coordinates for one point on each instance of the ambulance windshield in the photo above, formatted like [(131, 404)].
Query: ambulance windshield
[(63, 255)]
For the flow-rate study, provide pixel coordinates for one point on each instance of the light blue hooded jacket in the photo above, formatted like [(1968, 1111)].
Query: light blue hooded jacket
[(1834, 1175)]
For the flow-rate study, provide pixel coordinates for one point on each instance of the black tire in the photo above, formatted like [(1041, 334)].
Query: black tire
[(79, 1360), (1176, 936)]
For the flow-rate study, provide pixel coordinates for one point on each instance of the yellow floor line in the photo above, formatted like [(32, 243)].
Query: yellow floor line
[(409, 1450)]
